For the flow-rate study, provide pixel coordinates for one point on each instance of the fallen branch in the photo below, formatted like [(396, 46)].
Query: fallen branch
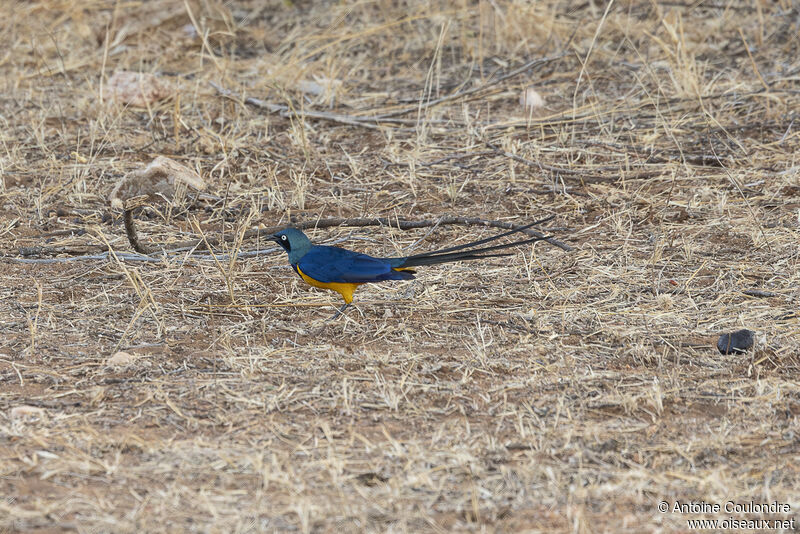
[(89, 257), (761, 293)]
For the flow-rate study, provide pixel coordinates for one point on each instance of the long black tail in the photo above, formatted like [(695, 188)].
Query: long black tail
[(467, 251)]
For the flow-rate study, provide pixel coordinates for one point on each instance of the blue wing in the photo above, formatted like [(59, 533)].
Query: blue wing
[(338, 265)]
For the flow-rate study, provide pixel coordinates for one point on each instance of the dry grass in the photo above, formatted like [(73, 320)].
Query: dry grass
[(555, 392)]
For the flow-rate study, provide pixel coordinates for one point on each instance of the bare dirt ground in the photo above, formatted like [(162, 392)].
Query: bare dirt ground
[(553, 391)]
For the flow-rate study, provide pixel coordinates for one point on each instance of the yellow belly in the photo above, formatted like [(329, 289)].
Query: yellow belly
[(346, 290)]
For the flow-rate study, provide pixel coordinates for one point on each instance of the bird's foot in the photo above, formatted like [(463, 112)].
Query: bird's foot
[(338, 312)]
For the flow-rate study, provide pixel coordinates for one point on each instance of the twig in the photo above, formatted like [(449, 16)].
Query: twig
[(759, 293), (286, 112), (541, 166), (38, 251), (387, 164), (90, 257)]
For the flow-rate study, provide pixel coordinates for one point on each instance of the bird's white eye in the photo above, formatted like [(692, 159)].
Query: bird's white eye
[(283, 238)]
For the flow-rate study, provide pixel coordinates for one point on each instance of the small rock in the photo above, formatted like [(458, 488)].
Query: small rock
[(306, 86), (736, 342), (120, 359), (531, 99), (324, 89), (26, 412), (30, 251), (189, 30)]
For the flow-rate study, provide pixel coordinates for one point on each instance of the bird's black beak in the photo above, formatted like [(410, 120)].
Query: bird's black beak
[(275, 238)]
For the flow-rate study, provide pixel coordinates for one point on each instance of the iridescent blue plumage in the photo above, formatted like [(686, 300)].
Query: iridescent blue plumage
[(338, 265)]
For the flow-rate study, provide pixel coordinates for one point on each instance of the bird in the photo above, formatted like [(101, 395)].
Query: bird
[(343, 270)]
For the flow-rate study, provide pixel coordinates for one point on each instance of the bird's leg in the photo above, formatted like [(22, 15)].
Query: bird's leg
[(339, 311)]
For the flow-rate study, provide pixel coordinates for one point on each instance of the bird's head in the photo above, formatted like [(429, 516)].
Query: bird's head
[(294, 242)]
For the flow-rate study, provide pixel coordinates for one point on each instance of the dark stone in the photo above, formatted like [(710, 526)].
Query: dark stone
[(738, 341), (30, 251)]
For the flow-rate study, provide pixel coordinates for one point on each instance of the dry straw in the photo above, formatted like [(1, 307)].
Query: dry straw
[(555, 391)]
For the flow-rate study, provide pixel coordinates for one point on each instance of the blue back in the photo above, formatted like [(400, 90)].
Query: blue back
[(338, 265)]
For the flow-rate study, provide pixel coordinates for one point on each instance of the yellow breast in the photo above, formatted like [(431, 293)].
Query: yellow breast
[(346, 290)]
